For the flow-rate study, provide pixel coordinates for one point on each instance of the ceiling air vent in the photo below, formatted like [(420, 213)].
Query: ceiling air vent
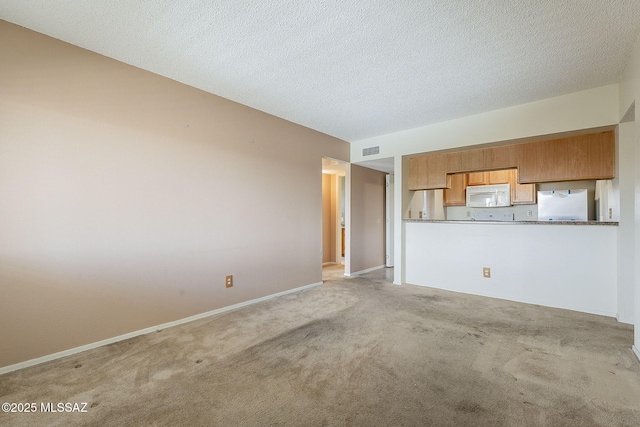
[(371, 151)]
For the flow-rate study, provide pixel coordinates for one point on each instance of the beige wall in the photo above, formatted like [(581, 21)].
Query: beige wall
[(367, 218), (125, 198)]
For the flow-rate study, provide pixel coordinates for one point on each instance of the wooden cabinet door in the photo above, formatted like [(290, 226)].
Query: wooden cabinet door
[(427, 172), (465, 161), (521, 194), (491, 177), (500, 157), (478, 178), (417, 173), (567, 159), (501, 177), (456, 195), (436, 171)]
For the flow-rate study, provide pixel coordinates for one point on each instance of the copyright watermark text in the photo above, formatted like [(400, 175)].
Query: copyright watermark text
[(22, 407)]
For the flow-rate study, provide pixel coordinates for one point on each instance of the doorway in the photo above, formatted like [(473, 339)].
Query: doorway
[(334, 218)]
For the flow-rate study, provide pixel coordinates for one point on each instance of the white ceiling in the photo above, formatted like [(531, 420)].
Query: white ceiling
[(361, 68), (383, 165)]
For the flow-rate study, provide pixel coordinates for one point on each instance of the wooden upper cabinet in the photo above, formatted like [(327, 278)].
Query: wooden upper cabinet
[(543, 162), (503, 157), (583, 157), (465, 161), (456, 195), (489, 178), (478, 178), (504, 176), (521, 194), (437, 172), (567, 159), (428, 172), (414, 173)]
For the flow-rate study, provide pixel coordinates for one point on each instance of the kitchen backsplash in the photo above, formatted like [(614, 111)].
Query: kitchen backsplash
[(520, 212)]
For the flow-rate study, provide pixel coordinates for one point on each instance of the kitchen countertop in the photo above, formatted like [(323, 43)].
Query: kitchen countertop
[(444, 221)]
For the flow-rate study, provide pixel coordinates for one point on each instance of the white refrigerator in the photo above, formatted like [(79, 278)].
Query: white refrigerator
[(563, 205)]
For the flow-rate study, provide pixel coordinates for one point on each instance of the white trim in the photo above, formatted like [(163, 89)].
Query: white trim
[(91, 346), (347, 220), (365, 271), (337, 213), (636, 350), (623, 321), (389, 225), (400, 196)]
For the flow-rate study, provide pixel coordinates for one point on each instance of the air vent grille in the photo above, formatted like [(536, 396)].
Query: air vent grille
[(371, 151)]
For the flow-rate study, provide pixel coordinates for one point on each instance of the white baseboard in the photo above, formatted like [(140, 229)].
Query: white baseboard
[(624, 321), (366, 271), (636, 351), (91, 346)]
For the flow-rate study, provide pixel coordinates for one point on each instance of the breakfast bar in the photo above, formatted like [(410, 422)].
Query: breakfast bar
[(569, 265)]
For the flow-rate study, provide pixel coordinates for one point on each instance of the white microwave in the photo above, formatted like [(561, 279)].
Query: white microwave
[(488, 196)]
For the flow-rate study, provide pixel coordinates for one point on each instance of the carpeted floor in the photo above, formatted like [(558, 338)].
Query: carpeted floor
[(354, 351)]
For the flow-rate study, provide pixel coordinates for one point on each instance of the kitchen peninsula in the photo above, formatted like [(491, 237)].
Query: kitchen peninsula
[(563, 264)]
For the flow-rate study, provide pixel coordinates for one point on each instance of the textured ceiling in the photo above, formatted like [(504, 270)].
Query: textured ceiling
[(356, 69), (383, 165)]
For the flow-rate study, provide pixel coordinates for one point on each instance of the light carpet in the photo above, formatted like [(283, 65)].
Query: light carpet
[(356, 352)]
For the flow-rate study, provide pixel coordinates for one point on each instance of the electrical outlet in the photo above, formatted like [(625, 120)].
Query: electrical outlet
[(529, 213), (610, 213), (486, 273), (228, 281)]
